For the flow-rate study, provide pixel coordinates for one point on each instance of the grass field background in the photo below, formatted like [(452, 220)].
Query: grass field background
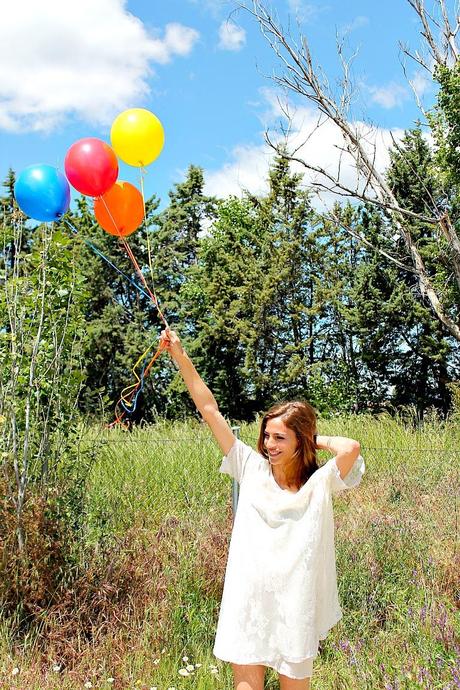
[(156, 526)]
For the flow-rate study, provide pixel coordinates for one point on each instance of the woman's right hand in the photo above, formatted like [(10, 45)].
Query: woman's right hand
[(171, 342)]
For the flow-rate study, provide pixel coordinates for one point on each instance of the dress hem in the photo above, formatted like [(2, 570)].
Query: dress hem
[(278, 667), (290, 660)]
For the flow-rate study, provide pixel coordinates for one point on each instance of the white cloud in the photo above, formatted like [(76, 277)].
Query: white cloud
[(356, 23), (421, 84), (77, 59), (389, 96), (214, 7), (231, 36), (247, 169), (302, 11), (178, 40), (320, 147)]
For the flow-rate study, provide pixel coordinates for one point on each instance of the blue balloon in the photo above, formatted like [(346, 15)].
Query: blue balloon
[(42, 192)]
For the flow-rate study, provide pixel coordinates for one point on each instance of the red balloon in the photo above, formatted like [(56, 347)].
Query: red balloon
[(120, 211), (91, 166)]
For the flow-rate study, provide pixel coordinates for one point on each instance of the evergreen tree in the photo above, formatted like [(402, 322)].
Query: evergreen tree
[(120, 319), (278, 345), (408, 358), (122, 322), (429, 347), (176, 239), (258, 294), (219, 301)]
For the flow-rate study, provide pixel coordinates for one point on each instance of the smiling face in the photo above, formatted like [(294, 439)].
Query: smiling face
[(280, 442)]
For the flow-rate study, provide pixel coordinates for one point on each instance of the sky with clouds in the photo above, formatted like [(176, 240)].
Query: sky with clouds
[(203, 67)]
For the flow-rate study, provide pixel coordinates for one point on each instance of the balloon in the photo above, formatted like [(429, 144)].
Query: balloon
[(42, 192), (137, 136), (120, 210), (91, 166)]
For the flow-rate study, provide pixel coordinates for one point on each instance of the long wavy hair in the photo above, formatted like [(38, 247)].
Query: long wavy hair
[(299, 416)]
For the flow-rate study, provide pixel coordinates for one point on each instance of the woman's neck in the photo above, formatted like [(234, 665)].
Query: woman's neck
[(282, 478)]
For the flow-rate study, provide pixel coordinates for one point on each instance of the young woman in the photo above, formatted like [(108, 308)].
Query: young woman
[(280, 590)]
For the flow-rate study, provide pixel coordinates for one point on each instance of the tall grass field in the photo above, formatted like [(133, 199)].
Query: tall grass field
[(139, 610)]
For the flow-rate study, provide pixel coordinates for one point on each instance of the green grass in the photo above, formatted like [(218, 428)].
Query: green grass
[(155, 496)]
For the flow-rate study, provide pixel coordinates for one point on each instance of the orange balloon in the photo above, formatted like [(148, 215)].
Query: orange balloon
[(120, 211)]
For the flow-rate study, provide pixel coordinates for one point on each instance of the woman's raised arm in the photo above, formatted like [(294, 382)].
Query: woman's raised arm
[(202, 397), (346, 451)]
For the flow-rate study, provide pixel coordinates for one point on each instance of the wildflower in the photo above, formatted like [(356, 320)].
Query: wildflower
[(110, 680), (197, 665), (57, 668), (88, 684), (183, 672), (15, 671), (185, 658), (190, 667)]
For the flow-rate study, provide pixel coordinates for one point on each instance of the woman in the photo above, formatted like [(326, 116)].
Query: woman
[(280, 590)]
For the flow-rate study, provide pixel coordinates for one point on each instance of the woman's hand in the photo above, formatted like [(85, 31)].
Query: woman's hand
[(171, 341)]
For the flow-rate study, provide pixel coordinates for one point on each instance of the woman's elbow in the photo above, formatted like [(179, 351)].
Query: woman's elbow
[(355, 446), (208, 410)]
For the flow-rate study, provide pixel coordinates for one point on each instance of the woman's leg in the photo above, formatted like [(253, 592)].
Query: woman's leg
[(293, 684), (248, 676)]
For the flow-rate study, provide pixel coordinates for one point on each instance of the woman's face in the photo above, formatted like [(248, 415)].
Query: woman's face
[(279, 441)]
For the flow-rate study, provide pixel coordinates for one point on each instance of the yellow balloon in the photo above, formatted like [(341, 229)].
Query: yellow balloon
[(137, 136)]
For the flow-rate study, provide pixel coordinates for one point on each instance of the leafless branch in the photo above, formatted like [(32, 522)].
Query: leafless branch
[(301, 77), (341, 223)]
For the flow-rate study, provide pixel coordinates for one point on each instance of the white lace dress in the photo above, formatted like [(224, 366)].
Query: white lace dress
[(280, 591)]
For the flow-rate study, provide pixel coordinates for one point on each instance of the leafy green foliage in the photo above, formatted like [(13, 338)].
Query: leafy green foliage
[(42, 334)]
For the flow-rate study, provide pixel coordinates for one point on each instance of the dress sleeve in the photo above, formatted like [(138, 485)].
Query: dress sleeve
[(352, 479), (235, 461)]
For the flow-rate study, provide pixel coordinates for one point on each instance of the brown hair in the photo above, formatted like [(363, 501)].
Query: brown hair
[(301, 418)]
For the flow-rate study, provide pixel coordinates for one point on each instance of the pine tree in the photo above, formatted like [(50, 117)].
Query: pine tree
[(408, 358)]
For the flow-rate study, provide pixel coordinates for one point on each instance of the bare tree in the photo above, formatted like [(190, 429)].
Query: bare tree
[(300, 76)]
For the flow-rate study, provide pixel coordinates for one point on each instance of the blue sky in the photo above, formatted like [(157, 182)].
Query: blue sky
[(68, 68)]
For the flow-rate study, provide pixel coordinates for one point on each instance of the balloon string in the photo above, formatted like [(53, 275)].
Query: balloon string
[(118, 233), (149, 250), (130, 394), (128, 401), (97, 251), (142, 172), (125, 244), (133, 386)]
